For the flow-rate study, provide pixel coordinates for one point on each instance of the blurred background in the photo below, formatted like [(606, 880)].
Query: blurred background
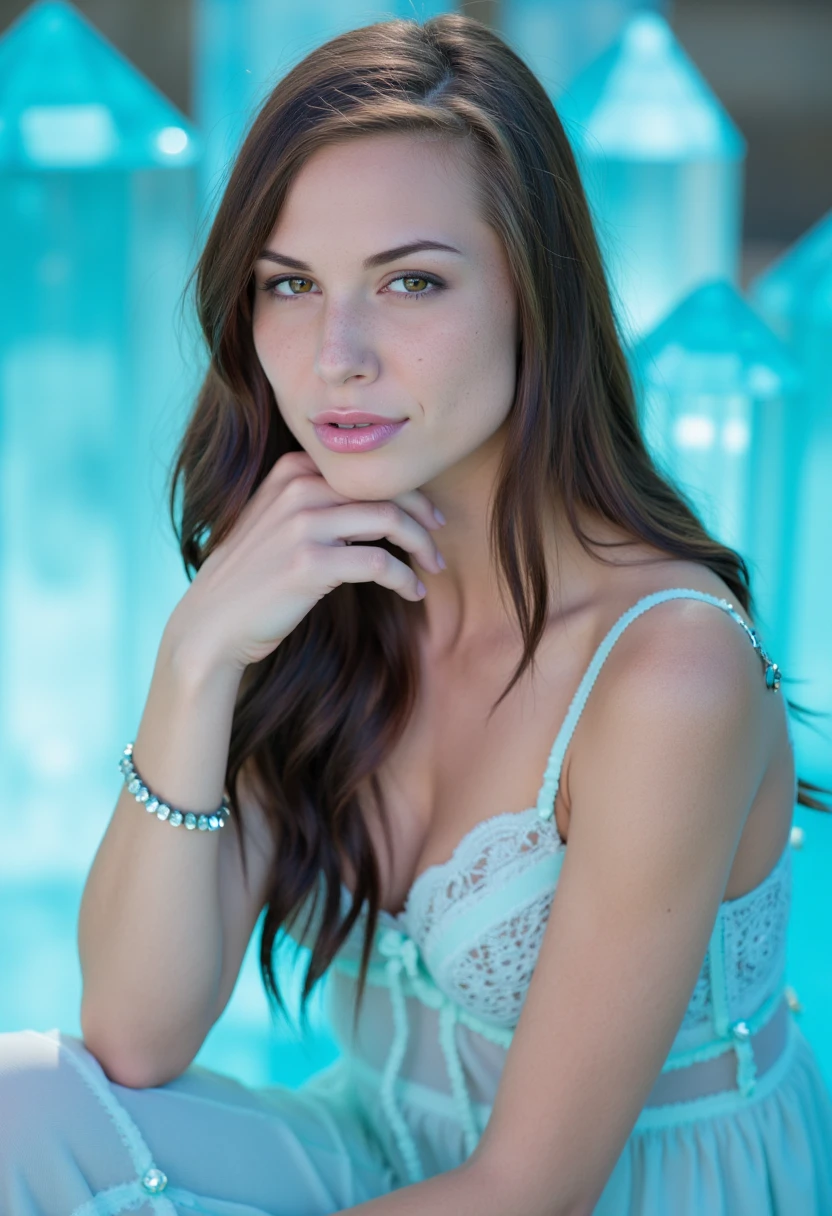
[(704, 133)]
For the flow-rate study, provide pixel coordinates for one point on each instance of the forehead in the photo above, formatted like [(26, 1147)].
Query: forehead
[(378, 185)]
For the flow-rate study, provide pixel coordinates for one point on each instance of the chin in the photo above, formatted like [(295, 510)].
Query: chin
[(366, 487)]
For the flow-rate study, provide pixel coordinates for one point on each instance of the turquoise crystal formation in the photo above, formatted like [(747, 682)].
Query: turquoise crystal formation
[(794, 295), (662, 164), (558, 38), (243, 47), (70, 100), (721, 411), (97, 197)]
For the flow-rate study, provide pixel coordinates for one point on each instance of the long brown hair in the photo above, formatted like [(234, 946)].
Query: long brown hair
[(315, 719)]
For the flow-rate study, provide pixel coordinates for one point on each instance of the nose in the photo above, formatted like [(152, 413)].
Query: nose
[(343, 348)]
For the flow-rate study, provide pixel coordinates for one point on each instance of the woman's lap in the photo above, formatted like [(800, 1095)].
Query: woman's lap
[(69, 1138)]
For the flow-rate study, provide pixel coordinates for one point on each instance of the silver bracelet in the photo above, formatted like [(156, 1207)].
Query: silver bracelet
[(153, 805)]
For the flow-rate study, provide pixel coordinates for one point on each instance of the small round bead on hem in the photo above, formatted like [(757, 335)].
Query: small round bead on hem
[(201, 821), (154, 1181)]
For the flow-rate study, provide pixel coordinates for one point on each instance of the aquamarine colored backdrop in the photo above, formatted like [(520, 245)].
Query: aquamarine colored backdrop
[(105, 191)]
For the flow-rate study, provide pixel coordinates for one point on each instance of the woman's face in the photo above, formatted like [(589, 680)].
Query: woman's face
[(429, 335)]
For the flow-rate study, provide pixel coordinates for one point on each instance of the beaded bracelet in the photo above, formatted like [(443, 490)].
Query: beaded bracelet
[(153, 805)]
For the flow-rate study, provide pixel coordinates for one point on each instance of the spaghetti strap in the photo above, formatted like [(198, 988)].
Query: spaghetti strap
[(551, 777)]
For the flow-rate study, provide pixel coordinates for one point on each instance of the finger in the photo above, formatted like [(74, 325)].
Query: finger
[(419, 505), (372, 521), (371, 565)]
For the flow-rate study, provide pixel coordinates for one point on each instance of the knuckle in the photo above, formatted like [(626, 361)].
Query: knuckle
[(389, 512), (378, 560), (299, 493), (294, 490)]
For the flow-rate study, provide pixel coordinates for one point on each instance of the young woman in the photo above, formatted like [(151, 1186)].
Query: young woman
[(519, 774)]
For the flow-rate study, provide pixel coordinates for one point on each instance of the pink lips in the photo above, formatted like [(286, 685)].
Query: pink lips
[(362, 438)]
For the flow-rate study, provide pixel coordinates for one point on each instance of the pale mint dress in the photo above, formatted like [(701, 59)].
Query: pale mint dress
[(739, 1122)]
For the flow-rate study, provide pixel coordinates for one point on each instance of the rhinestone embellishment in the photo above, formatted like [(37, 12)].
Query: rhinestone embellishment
[(154, 1181), (191, 819), (740, 1031), (773, 674)]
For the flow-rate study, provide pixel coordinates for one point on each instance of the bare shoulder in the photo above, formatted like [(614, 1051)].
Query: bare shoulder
[(684, 664)]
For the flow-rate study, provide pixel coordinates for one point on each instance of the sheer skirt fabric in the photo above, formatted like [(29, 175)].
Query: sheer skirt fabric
[(74, 1143)]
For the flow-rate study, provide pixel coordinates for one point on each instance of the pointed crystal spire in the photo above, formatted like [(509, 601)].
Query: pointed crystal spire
[(795, 296), (721, 414), (558, 38), (243, 47), (662, 166), (796, 290), (69, 99), (96, 235)]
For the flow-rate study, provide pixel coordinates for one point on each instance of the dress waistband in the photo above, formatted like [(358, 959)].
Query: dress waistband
[(728, 1063), (711, 1076)]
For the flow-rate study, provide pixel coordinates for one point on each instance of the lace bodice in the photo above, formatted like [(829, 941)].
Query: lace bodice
[(466, 943), (487, 967)]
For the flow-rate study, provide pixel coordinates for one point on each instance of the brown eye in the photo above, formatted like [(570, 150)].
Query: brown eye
[(416, 285), (293, 281)]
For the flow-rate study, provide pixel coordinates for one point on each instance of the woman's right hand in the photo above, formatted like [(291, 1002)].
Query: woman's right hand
[(289, 547)]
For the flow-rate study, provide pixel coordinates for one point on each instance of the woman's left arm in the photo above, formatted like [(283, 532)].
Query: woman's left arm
[(678, 750)]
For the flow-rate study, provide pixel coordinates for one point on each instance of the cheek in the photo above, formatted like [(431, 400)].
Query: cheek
[(477, 370), (277, 356)]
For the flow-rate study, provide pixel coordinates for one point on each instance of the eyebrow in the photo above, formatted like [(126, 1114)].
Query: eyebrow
[(376, 259)]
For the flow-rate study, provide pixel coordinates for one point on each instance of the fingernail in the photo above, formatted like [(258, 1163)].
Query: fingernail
[(440, 518), (421, 588), (440, 561)]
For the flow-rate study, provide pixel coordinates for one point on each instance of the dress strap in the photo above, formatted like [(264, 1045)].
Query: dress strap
[(551, 776)]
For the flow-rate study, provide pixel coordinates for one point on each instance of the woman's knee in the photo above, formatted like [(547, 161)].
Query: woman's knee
[(26, 1056), (30, 1075)]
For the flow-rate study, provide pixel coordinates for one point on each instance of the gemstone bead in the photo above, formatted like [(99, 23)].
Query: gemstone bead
[(792, 1000), (154, 1181), (204, 821)]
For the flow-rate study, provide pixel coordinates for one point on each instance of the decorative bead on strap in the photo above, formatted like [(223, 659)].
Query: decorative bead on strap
[(772, 671), (153, 805), (746, 1064)]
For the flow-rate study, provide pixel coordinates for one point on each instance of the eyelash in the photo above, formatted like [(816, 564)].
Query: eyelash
[(437, 284)]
